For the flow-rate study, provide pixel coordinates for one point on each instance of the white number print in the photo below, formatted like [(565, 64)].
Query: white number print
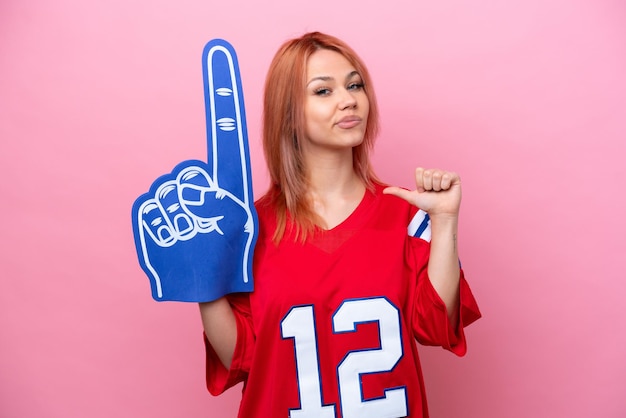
[(299, 324)]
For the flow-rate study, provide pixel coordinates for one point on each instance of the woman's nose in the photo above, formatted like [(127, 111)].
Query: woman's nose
[(347, 100)]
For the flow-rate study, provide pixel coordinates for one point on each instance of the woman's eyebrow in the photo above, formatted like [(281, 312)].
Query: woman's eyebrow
[(320, 78), (350, 75)]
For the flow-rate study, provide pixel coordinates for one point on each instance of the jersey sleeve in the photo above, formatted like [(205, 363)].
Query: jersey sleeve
[(430, 322), (218, 377)]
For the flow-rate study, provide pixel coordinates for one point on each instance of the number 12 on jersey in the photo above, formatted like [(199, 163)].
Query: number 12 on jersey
[(299, 325)]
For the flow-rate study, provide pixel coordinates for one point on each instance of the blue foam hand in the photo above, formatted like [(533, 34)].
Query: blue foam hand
[(196, 228)]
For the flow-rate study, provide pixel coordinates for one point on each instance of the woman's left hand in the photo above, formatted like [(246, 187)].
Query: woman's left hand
[(437, 192)]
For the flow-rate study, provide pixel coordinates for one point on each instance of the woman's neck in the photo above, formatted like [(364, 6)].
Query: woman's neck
[(335, 190)]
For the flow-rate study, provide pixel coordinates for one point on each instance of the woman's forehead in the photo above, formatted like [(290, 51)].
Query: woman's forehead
[(327, 64)]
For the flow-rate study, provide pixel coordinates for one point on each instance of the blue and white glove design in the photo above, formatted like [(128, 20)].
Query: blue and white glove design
[(196, 228)]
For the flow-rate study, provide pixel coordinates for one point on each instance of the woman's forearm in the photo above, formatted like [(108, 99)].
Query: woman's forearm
[(220, 328), (443, 264)]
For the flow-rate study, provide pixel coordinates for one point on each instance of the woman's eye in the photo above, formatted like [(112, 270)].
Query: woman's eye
[(322, 91), (355, 86)]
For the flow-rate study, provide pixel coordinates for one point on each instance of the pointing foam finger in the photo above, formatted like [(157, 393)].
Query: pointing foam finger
[(227, 137)]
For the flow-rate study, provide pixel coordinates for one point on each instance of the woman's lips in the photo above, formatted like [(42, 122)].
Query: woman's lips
[(349, 122)]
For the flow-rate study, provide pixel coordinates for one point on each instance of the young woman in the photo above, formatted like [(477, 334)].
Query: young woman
[(348, 273)]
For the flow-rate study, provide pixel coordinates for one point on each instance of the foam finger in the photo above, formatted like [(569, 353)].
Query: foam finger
[(153, 223), (179, 222), (228, 154)]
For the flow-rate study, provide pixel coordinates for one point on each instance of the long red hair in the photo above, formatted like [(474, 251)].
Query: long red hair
[(284, 128)]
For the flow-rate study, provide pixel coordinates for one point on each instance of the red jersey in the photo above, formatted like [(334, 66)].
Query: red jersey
[(330, 330)]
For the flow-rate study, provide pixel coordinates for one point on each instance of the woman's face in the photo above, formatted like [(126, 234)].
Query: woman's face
[(335, 105)]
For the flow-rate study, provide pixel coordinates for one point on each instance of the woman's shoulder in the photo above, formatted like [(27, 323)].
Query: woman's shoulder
[(390, 206), (266, 206), (394, 201)]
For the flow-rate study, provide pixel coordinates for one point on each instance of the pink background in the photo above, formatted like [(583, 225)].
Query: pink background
[(525, 98)]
